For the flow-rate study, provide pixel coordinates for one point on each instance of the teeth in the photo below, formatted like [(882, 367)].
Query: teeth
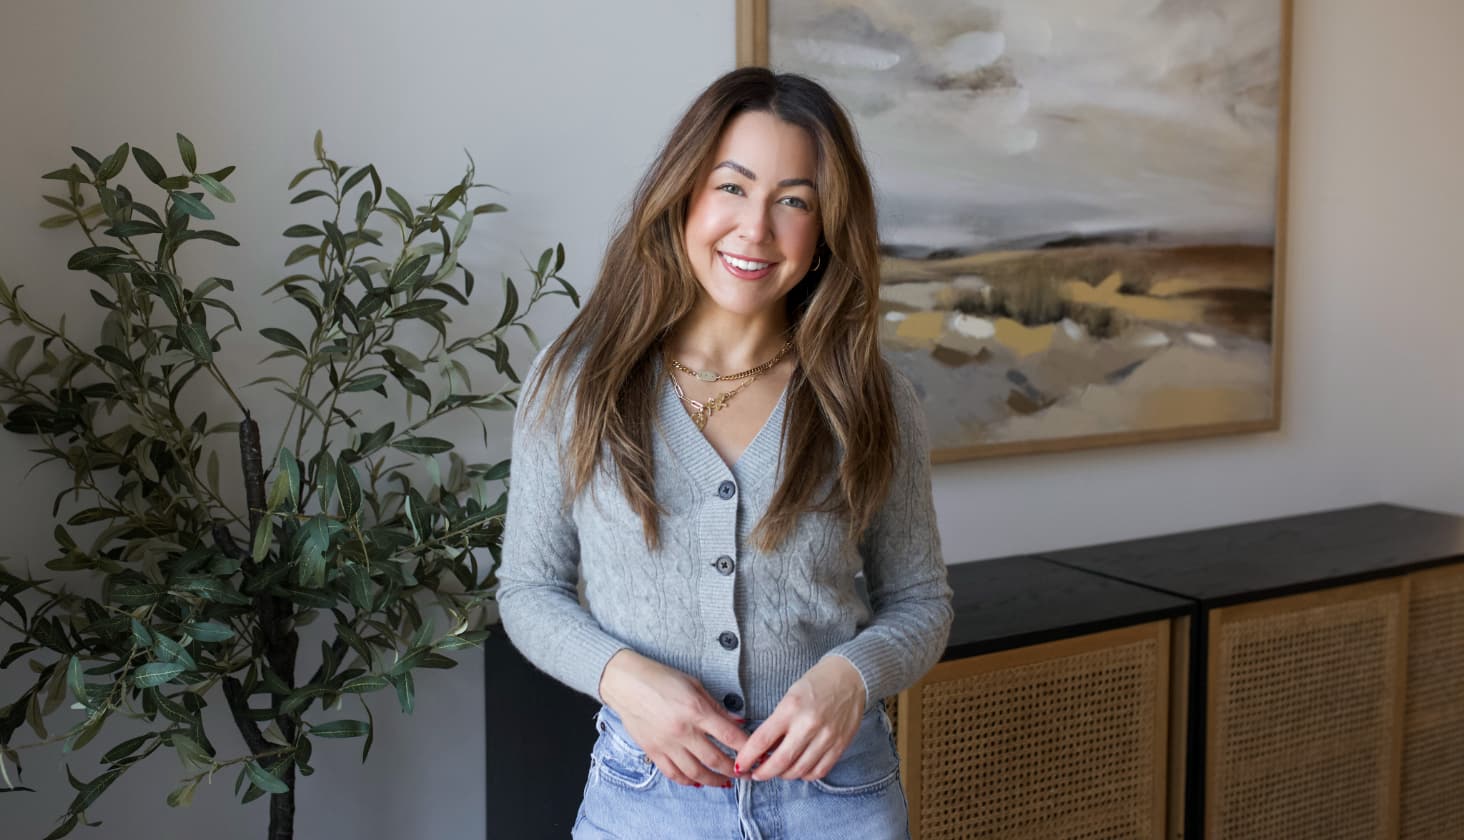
[(745, 265)]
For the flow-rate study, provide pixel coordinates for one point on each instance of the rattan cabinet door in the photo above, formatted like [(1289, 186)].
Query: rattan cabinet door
[(1304, 715), (1065, 739), (1433, 723)]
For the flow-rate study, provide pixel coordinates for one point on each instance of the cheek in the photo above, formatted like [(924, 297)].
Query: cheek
[(799, 234)]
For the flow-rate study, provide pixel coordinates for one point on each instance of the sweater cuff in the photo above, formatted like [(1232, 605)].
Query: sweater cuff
[(878, 665), (586, 653)]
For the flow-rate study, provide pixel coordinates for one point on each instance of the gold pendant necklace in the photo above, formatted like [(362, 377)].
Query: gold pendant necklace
[(703, 411)]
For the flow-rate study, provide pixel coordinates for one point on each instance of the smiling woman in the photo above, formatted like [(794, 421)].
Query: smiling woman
[(723, 387)]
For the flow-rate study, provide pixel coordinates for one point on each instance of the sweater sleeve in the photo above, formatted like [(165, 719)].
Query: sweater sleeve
[(538, 599), (903, 568)]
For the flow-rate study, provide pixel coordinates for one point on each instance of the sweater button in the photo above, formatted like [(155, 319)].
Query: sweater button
[(728, 639), (727, 490), (725, 564), (732, 702)]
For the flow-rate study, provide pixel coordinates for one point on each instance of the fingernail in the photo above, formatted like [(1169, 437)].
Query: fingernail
[(727, 783), (698, 784), (742, 720), (737, 769)]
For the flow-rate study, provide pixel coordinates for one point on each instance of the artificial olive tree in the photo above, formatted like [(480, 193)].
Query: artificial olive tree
[(350, 521)]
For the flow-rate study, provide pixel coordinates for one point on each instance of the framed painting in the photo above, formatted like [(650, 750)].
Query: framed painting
[(1082, 206)]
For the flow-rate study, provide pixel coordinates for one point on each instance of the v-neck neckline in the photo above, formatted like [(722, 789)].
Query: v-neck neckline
[(702, 450)]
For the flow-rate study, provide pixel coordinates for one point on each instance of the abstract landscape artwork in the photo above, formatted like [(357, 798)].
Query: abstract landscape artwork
[(1081, 206)]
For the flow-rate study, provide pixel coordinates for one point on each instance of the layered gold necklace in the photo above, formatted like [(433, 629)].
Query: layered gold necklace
[(703, 411)]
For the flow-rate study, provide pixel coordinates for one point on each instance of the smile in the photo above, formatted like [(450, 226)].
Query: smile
[(745, 269)]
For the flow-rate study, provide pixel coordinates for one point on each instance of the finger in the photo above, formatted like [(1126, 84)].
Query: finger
[(716, 766), (827, 763), (761, 741), (688, 770), (724, 730), (812, 756), (783, 757)]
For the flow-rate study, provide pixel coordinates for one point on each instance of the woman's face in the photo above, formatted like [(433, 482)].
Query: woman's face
[(756, 205)]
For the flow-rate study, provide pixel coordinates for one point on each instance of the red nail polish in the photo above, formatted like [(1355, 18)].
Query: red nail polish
[(727, 783), (698, 784), (737, 769)]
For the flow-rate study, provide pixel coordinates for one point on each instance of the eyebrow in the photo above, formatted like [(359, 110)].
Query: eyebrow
[(747, 173)]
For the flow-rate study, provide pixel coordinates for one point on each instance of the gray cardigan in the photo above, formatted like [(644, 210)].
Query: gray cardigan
[(744, 623)]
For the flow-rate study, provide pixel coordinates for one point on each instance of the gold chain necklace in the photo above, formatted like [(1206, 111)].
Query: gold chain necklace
[(703, 411)]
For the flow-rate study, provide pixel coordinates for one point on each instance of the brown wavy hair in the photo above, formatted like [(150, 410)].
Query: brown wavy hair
[(839, 394)]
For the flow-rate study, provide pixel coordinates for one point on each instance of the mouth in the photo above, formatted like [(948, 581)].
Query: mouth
[(745, 269)]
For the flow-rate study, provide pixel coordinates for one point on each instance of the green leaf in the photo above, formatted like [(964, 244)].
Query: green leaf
[(279, 491), (291, 468), (262, 539), (59, 221), (302, 175), (302, 231), (149, 165), (263, 779), (141, 635), (74, 680), (423, 445), (489, 208), (365, 683), (406, 692), (365, 383), (132, 227), (113, 164), (186, 152), (214, 188), (402, 205), (156, 673), (301, 252), (358, 586), (71, 174), (279, 336), (191, 205), (417, 308), (510, 303), (350, 489), (182, 796), (408, 272), (340, 729), (208, 631), (309, 194), (196, 339)]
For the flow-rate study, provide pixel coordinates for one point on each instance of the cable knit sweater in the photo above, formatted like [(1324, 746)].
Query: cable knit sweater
[(746, 624)]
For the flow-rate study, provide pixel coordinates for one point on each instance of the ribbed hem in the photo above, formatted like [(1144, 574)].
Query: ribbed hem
[(584, 655), (877, 662)]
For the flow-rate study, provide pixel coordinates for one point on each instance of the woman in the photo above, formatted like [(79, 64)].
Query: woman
[(716, 447)]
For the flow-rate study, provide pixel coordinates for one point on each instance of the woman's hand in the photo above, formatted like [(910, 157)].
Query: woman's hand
[(810, 728), (670, 715)]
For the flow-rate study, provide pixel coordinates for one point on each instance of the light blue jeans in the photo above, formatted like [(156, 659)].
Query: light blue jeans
[(626, 796)]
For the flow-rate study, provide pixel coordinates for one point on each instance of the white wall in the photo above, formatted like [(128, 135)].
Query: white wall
[(562, 104)]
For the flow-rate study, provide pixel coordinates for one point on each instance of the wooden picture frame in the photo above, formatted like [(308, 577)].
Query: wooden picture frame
[(1211, 309)]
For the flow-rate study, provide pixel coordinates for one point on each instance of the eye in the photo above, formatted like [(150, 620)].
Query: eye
[(801, 203), (733, 186)]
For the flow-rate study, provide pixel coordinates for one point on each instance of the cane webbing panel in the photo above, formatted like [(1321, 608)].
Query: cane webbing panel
[(1433, 725), (1045, 745), (1303, 700)]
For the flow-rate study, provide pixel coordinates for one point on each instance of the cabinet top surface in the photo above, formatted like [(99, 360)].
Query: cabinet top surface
[(1275, 555)]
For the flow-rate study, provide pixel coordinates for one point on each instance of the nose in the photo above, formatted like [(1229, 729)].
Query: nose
[(755, 224)]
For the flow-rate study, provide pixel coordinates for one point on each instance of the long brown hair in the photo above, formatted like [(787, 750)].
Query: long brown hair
[(840, 393)]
